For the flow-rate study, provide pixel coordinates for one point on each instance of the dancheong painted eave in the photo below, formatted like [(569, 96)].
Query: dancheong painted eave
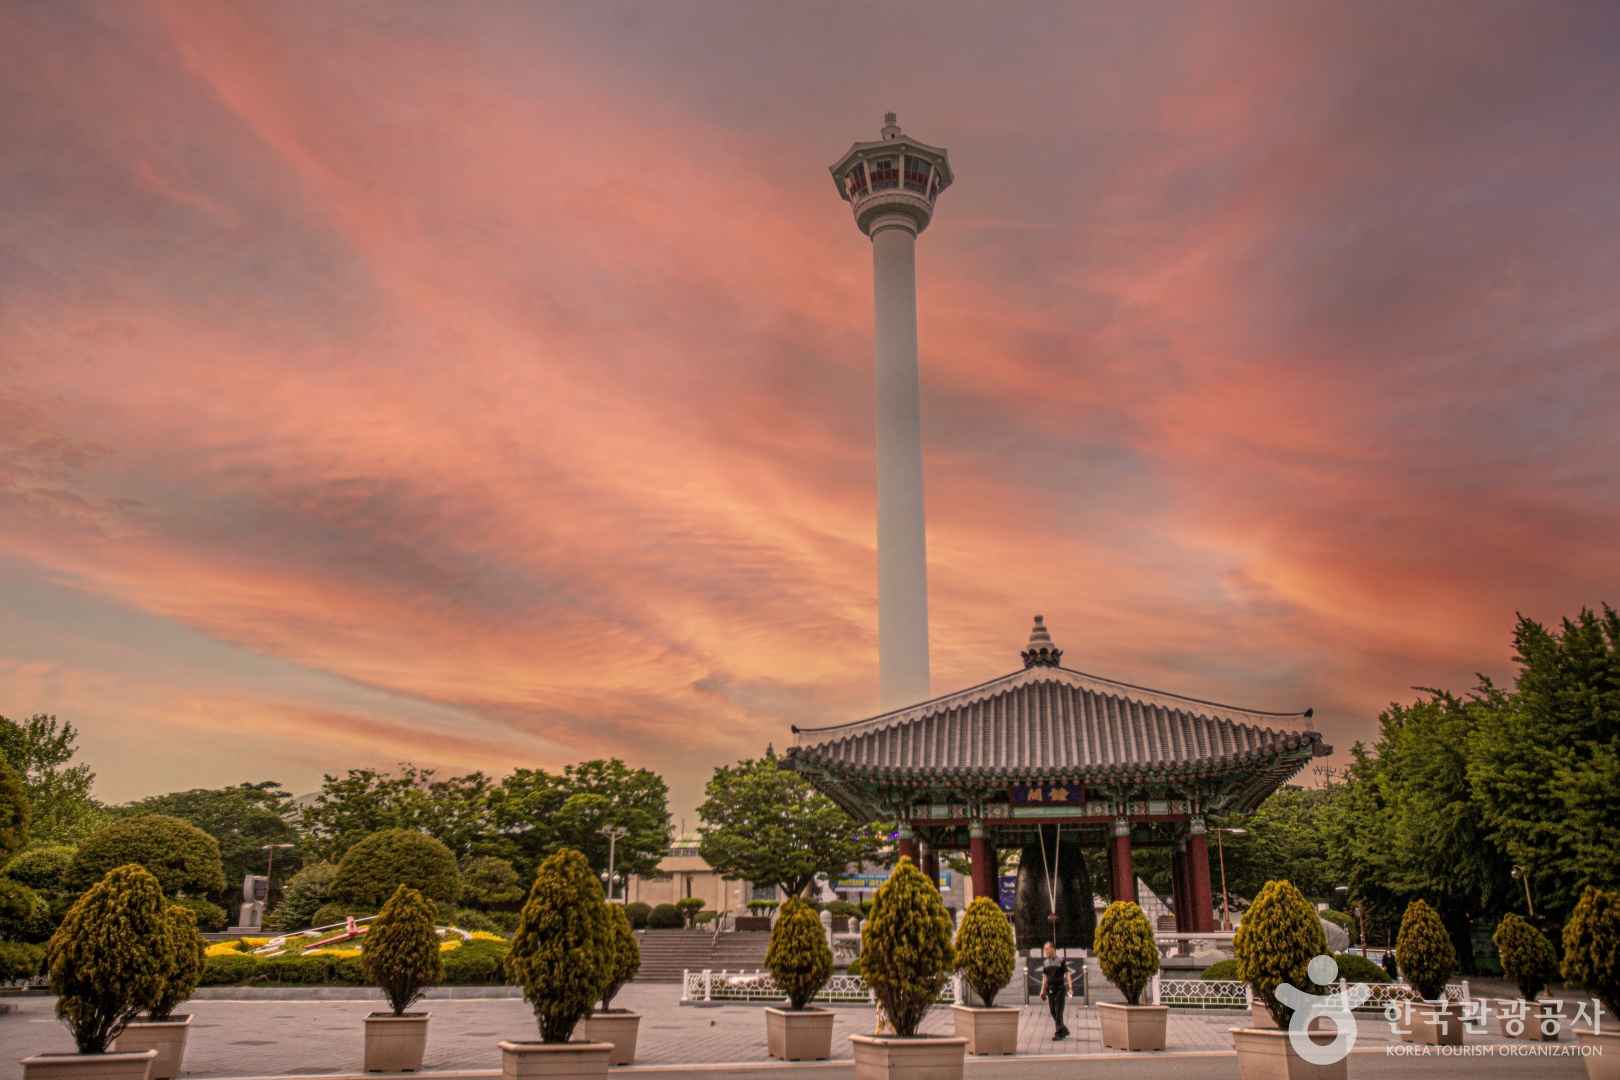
[(1048, 722)]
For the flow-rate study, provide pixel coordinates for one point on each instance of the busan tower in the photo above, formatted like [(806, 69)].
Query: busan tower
[(891, 185)]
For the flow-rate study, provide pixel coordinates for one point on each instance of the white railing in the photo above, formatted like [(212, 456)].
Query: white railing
[(1230, 993), (709, 985), (1186, 944)]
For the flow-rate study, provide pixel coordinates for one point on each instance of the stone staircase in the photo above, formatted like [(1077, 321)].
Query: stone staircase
[(666, 953)]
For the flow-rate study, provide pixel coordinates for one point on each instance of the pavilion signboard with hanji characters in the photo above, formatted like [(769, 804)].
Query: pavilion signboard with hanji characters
[(1065, 766)]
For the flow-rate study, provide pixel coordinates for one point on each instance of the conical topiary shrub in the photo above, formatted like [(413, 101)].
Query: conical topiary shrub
[(626, 955), (109, 958), (799, 958), (1527, 956), (1424, 951), (985, 952), (906, 954), (185, 952), (1125, 949), (1592, 946), (401, 950), (561, 952), (1275, 943)]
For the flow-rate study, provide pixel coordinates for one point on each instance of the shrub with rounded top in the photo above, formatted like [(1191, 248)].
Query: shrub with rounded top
[(401, 951), (19, 962), (24, 914), (906, 954), (689, 906), (626, 958), (108, 959), (303, 896), (43, 869), (211, 918), (1424, 951), (799, 957), (1275, 943), (1592, 946), (665, 917), (1125, 949), (490, 884), (13, 811), (637, 913), (1221, 971), (375, 867), (183, 858), (185, 951), (336, 911), (1358, 969), (560, 954), (985, 950), (1527, 956)]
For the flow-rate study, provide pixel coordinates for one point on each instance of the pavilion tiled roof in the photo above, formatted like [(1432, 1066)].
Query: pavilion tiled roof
[(1049, 722)]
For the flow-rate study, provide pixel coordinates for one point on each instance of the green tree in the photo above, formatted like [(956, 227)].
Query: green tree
[(40, 748), (373, 869), (1125, 949), (108, 959), (185, 951), (401, 953), (1544, 759), (906, 952), (184, 859), (1424, 951), (14, 812), (799, 958), (626, 955), (765, 823), (490, 884), (1275, 943), (306, 891), (243, 819), (562, 953), (453, 810), (986, 952)]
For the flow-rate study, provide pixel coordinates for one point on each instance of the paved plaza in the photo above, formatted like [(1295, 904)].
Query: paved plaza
[(268, 1037)]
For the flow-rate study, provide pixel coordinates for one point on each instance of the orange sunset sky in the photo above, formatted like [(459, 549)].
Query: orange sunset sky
[(489, 384)]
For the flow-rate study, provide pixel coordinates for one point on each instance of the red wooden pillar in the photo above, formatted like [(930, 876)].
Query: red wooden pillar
[(1124, 879), (908, 843), (984, 863), (1203, 913), (930, 863)]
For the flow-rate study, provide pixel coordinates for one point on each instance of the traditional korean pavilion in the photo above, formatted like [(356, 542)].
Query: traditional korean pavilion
[(1052, 760)]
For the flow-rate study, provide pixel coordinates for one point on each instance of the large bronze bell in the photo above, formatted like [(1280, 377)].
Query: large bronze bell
[(1077, 920)]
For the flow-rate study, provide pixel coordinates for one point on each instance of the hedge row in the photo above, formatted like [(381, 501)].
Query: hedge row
[(1352, 968), (474, 963)]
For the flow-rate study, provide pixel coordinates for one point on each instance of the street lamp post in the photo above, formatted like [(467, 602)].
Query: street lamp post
[(1524, 876), (613, 833), (1220, 850), (270, 861)]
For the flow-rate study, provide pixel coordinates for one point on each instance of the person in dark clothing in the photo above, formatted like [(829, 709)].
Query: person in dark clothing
[(1057, 983)]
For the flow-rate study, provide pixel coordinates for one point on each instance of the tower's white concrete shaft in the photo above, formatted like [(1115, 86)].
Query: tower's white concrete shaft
[(892, 185)]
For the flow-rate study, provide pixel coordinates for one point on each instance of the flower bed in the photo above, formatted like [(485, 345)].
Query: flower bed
[(473, 962)]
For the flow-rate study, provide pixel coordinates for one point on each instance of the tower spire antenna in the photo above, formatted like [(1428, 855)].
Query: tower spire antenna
[(892, 186)]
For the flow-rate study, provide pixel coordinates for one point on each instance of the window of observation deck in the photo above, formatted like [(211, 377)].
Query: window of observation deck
[(916, 174), (885, 173), (855, 181), (933, 188)]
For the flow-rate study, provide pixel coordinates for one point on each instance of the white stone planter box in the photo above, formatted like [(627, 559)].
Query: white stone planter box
[(1603, 1063), (134, 1065), (799, 1034), (1133, 1027), (1267, 1055), (617, 1026), (987, 1030), (396, 1043), (570, 1060), (167, 1037), (1436, 1023), (886, 1057)]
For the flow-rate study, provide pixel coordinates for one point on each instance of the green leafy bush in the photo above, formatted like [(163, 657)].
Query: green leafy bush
[(1592, 946), (637, 913), (490, 884), (184, 949), (1274, 944), (1220, 971), (13, 811), (689, 906), (762, 907), (1424, 951), (183, 858), (372, 869), (235, 969), (562, 953), (401, 953), (1358, 969), (108, 959), (211, 918), (20, 961), (302, 897), (24, 914), (1125, 949), (43, 869), (626, 955), (666, 917), (472, 919), (906, 954), (476, 963), (1526, 954), (799, 958), (985, 950)]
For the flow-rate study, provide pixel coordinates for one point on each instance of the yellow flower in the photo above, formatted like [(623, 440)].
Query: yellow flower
[(449, 945), (223, 948), (485, 935)]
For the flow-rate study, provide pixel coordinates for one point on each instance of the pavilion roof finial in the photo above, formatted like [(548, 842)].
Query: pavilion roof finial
[(1040, 652), (891, 126)]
